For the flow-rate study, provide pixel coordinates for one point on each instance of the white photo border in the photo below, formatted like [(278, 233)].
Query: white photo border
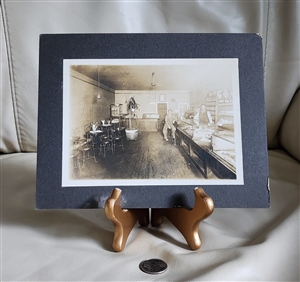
[(228, 62)]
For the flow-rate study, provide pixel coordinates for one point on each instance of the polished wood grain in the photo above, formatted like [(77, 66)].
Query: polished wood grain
[(187, 220), (123, 219)]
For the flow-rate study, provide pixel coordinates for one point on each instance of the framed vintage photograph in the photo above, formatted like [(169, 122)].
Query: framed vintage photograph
[(155, 120), (162, 97)]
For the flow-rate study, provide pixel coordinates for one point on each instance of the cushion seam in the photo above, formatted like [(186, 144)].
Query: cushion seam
[(14, 97)]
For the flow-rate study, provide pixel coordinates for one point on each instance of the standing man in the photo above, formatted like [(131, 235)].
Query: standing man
[(203, 117), (169, 124)]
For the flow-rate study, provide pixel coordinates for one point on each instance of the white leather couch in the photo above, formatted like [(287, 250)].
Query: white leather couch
[(75, 245)]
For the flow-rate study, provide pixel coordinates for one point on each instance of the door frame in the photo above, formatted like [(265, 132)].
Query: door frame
[(159, 124)]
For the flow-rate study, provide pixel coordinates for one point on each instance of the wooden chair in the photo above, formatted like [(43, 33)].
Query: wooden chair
[(106, 144), (117, 139)]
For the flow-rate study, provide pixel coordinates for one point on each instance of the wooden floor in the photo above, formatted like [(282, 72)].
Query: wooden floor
[(148, 157)]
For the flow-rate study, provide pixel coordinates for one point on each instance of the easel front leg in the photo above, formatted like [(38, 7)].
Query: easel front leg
[(123, 219), (187, 221)]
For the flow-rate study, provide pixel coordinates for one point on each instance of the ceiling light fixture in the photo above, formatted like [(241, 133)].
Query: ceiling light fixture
[(98, 83)]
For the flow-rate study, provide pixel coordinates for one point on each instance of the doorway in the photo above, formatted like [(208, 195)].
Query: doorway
[(162, 111)]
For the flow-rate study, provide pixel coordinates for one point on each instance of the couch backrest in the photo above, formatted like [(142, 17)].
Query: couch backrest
[(22, 23), (289, 133)]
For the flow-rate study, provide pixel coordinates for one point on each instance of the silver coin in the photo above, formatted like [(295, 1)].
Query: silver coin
[(153, 266)]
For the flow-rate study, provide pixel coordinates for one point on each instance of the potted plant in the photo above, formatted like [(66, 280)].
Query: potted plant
[(131, 133)]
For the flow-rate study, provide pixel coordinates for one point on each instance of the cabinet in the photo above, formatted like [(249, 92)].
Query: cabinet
[(210, 164), (211, 106), (116, 110), (147, 124), (220, 106), (225, 117)]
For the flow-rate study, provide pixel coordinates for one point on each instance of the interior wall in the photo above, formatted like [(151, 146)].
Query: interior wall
[(197, 98), (148, 99), (85, 106)]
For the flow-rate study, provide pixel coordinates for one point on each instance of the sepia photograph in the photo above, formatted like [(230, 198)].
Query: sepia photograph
[(151, 122), (155, 121)]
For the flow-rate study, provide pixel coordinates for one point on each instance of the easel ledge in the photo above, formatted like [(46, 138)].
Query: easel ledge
[(185, 220)]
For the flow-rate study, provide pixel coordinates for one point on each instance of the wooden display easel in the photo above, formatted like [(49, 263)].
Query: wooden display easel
[(185, 220)]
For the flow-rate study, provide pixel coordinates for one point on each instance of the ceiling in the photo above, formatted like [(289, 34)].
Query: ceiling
[(192, 77)]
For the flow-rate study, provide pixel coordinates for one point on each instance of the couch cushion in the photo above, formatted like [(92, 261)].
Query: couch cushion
[(289, 133), (75, 245), (276, 21), (8, 135), (281, 62)]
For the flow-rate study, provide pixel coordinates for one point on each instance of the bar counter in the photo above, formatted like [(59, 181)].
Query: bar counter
[(143, 124), (212, 164), (147, 124)]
